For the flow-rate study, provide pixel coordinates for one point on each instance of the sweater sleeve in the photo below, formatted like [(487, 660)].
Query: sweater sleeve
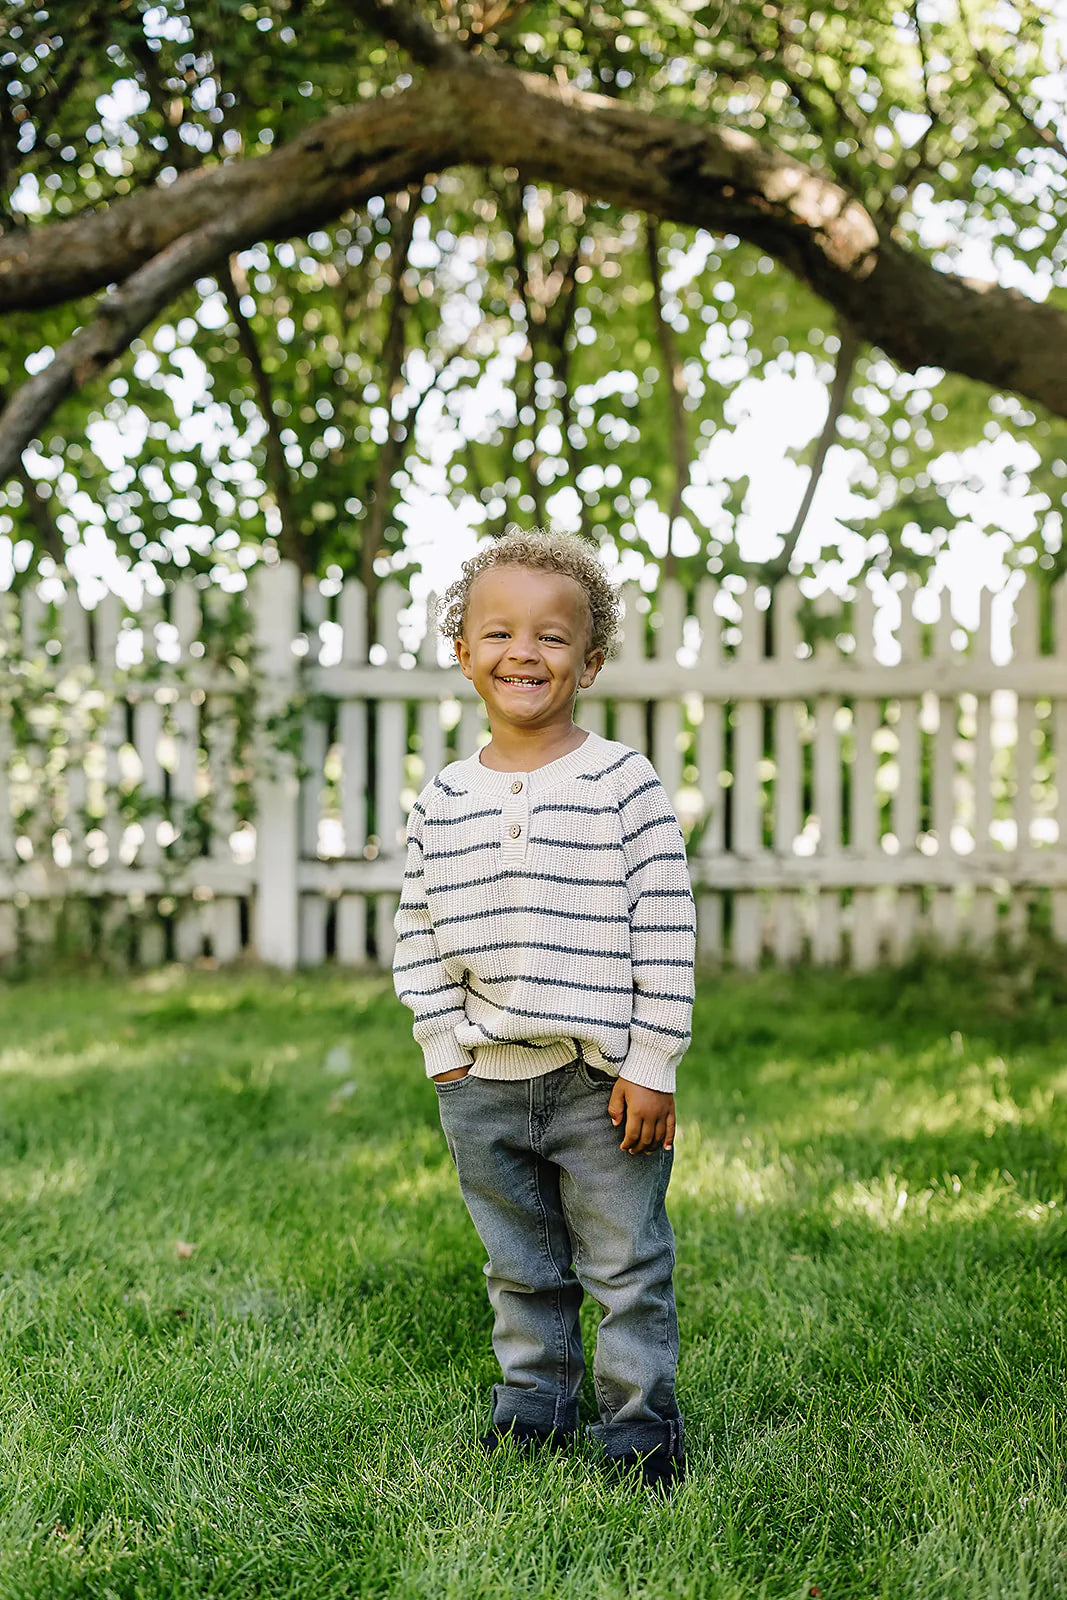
[(662, 931), (419, 976)]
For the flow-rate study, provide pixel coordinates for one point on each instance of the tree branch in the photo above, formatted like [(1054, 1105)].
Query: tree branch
[(120, 318), (848, 351), (180, 155), (292, 546), (716, 178), (393, 352), (559, 329), (514, 212), (676, 391), (50, 540), (1013, 95)]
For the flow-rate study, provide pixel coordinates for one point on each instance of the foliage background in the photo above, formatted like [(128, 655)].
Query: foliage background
[(527, 353)]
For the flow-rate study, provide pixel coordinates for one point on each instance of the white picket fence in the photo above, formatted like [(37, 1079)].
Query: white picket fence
[(219, 775)]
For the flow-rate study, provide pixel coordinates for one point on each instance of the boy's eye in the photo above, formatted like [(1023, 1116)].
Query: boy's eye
[(502, 633)]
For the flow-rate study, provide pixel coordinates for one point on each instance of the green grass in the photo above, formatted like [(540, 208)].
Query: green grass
[(869, 1200)]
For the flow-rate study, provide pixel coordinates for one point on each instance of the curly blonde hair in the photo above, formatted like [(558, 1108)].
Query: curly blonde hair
[(544, 551)]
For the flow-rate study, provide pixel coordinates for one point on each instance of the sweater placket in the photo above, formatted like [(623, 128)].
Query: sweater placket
[(515, 820)]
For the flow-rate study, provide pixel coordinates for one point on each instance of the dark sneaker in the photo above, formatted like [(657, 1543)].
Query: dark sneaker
[(521, 1436), (654, 1469)]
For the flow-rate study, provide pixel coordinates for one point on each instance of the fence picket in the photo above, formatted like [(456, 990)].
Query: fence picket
[(276, 611), (314, 745), (788, 772), (629, 713), (391, 742), (747, 789), (983, 919), (826, 786), (74, 658), (944, 918), (711, 764), (864, 931), (906, 796), (183, 791)]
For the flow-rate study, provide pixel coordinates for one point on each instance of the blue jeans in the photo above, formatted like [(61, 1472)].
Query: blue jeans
[(561, 1209)]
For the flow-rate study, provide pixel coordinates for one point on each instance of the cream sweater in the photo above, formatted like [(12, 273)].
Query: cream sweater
[(547, 915)]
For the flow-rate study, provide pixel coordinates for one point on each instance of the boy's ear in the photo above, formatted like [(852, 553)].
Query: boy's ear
[(593, 663), (463, 656)]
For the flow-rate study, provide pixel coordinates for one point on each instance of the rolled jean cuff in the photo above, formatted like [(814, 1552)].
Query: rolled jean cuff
[(626, 1438), (541, 1411)]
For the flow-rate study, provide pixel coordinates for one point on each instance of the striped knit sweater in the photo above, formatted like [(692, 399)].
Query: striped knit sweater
[(547, 915)]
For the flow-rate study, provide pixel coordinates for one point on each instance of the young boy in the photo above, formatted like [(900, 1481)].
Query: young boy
[(545, 943)]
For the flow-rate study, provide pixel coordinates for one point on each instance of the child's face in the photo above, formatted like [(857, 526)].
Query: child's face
[(526, 646)]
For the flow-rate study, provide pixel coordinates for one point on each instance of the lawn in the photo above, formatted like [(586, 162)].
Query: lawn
[(244, 1343)]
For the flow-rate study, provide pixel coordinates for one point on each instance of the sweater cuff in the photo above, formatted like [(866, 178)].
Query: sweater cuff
[(443, 1052), (651, 1068)]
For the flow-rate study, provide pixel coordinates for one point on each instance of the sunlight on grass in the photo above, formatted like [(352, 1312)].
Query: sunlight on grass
[(868, 1199), (32, 1186)]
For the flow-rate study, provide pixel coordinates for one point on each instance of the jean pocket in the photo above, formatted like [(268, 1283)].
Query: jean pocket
[(452, 1085), (596, 1077)]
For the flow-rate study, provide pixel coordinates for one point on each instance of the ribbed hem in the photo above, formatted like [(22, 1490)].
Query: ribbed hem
[(649, 1067), (443, 1053), (515, 1061)]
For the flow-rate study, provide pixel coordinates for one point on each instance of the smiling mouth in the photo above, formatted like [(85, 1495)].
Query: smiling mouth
[(524, 683)]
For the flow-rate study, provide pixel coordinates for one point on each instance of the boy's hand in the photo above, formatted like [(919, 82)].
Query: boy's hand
[(648, 1115), (453, 1072)]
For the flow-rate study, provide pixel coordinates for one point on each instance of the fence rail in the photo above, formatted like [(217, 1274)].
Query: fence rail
[(220, 774)]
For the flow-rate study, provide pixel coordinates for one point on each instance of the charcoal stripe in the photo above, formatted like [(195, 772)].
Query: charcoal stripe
[(575, 844), (530, 877), (427, 961), (445, 1011), (555, 983), (464, 850), (458, 822), (425, 994), (528, 1044), (543, 1016), (585, 811), (639, 866), (524, 944), (594, 777), (529, 911), (653, 822), (653, 1027), (653, 783)]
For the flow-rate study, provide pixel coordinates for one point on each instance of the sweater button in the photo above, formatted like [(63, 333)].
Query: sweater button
[(516, 787), (514, 830)]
